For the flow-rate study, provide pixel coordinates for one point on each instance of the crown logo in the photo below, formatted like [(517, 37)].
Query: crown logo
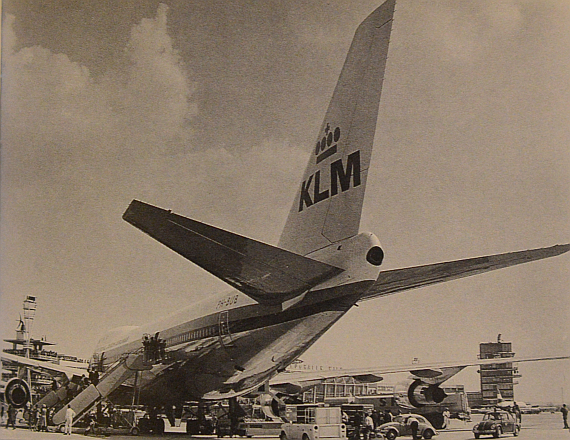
[(327, 146)]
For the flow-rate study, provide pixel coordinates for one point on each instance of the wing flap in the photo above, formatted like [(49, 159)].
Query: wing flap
[(393, 281), (266, 273)]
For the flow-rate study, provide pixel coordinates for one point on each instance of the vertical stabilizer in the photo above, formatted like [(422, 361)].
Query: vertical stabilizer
[(328, 204)]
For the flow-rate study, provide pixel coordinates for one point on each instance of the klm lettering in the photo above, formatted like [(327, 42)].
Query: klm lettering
[(313, 190)]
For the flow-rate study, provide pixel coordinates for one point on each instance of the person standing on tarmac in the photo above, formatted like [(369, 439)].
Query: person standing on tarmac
[(69, 415), (368, 426), (377, 418), (414, 425), (34, 418), (357, 421), (42, 425), (11, 417), (564, 411), (517, 411), (446, 417)]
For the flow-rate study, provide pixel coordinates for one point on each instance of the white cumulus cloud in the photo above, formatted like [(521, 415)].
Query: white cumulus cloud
[(55, 112)]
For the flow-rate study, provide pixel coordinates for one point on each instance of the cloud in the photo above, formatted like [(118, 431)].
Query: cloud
[(154, 92), (55, 113), (77, 148), (467, 34)]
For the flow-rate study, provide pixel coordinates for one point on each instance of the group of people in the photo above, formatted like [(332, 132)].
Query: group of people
[(38, 418), (154, 348), (363, 427)]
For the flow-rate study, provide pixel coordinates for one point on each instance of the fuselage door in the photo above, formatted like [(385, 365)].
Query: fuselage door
[(224, 328)]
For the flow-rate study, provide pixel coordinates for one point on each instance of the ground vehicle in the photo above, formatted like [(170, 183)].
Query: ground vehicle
[(197, 420), (252, 427), (400, 427), (259, 421), (356, 414), (496, 423), (314, 423)]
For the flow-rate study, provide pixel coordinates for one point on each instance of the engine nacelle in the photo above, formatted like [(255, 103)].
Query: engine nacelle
[(17, 393), (418, 394)]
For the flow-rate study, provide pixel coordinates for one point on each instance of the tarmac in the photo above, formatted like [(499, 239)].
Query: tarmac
[(545, 426)]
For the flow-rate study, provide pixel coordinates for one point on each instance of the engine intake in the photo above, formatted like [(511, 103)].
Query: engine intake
[(375, 256), (420, 394), (17, 393)]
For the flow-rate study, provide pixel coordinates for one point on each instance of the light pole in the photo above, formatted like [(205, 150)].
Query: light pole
[(30, 306)]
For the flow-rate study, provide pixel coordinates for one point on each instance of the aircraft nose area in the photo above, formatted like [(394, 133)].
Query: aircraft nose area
[(114, 336)]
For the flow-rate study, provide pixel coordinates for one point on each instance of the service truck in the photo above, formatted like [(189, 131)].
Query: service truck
[(310, 422)]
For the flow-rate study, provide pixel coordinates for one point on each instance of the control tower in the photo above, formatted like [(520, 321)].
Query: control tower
[(30, 347), (497, 380)]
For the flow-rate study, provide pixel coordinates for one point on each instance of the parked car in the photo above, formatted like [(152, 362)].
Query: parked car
[(497, 423), (399, 427)]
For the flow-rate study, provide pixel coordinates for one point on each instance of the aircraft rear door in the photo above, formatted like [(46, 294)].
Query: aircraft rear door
[(224, 328)]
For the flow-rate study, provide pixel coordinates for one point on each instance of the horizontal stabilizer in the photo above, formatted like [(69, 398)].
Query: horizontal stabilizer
[(266, 273), (393, 281)]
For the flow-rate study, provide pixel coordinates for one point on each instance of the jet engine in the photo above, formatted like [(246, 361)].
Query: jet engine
[(418, 393), (17, 393)]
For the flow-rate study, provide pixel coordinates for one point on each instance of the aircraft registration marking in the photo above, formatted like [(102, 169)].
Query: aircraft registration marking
[(226, 302)]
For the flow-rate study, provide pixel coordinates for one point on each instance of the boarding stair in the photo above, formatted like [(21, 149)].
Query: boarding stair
[(54, 397), (93, 394)]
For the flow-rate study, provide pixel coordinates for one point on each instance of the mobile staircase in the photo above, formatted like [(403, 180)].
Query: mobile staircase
[(93, 394)]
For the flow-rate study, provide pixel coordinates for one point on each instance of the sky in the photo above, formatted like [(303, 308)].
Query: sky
[(211, 109)]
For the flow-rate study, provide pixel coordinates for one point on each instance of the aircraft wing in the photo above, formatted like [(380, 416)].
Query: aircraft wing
[(43, 366), (295, 382), (266, 273), (431, 373), (294, 376), (397, 280)]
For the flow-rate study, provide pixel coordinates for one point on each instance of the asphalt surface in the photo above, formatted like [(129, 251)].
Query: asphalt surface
[(544, 426)]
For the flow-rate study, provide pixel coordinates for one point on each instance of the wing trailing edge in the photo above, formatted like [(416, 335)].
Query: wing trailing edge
[(397, 280), (268, 274), (433, 373)]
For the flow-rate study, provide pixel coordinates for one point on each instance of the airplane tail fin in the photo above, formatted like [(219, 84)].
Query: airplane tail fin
[(328, 206)]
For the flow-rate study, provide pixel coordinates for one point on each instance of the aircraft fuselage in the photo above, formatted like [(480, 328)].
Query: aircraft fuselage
[(235, 346)]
